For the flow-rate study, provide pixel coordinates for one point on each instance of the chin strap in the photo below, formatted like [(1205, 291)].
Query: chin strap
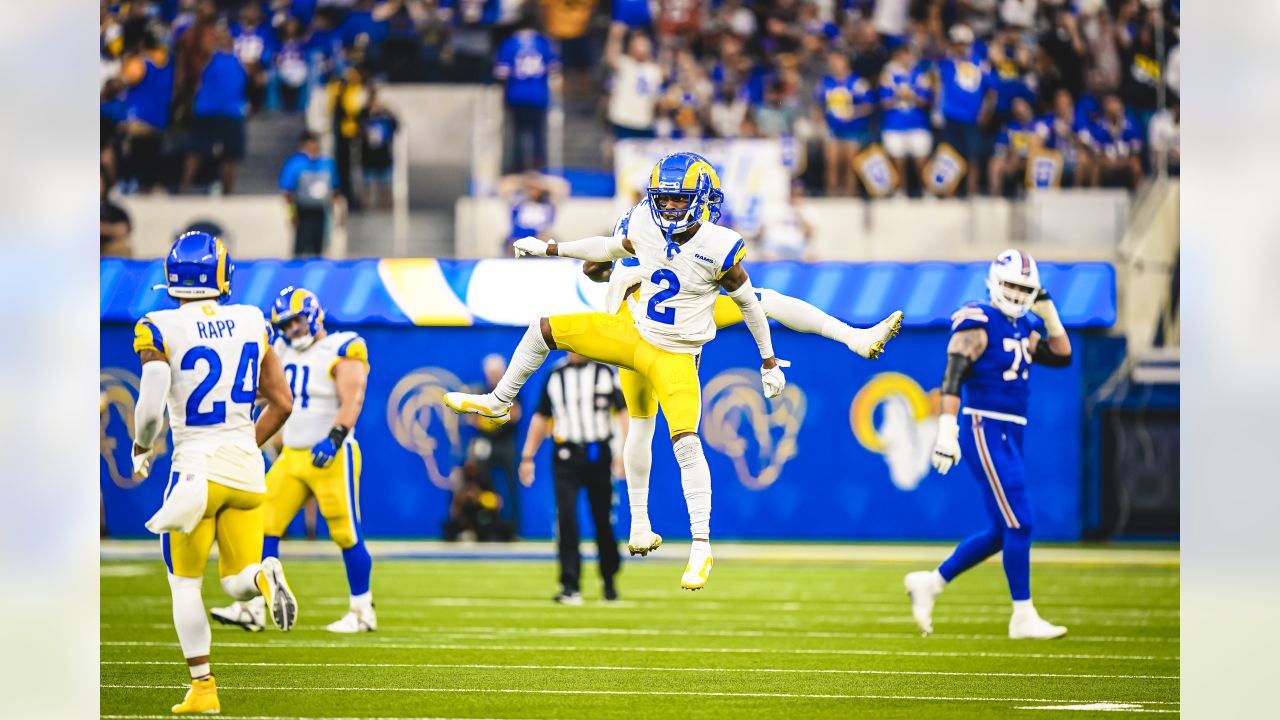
[(673, 248)]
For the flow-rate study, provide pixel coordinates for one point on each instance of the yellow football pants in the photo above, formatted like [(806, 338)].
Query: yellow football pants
[(662, 378), (292, 479), (640, 395), (232, 517)]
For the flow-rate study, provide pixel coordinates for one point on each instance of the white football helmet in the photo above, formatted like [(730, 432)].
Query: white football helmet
[(1013, 282)]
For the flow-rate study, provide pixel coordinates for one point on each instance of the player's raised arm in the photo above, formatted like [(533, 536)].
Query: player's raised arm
[(601, 248), (275, 389), (738, 285), (1056, 351), (963, 350)]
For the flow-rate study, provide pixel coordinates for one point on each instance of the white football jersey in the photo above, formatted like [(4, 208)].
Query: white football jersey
[(678, 293), (215, 354), (315, 394)]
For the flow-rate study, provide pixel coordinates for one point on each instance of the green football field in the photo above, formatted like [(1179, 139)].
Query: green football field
[(779, 634)]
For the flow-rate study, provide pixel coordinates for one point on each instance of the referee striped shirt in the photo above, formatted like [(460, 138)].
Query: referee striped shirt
[(579, 400)]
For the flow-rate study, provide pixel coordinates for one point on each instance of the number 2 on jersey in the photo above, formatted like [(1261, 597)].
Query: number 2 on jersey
[(666, 316), (246, 370), (1021, 350)]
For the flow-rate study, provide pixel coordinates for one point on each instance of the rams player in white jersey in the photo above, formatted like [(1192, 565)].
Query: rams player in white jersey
[(321, 458), (686, 260), (624, 277), (210, 361)]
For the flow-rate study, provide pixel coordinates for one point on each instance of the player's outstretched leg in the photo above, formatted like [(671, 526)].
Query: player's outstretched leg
[(1026, 623), (526, 360), (924, 587), (803, 317), (637, 460), (194, 636), (695, 478)]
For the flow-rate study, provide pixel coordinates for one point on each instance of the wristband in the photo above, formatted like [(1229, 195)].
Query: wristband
[(338, 435)]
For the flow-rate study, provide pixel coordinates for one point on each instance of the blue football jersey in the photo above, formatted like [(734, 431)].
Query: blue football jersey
[(999, 381)]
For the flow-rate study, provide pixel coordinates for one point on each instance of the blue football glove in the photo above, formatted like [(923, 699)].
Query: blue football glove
[(326, 451)]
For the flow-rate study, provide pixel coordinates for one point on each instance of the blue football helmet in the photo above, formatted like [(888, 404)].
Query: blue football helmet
[(294, 302), (684, 175), (198, 267)]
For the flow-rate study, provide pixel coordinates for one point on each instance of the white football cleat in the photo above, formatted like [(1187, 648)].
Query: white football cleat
[(699, 566), (923, 589), (643, 542), (249, 614), (870, 342), (357, 620), (278, 598), (1030, 626), (485, 405)]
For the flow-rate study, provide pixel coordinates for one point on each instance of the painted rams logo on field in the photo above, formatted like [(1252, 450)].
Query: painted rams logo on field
[(892, 416), (421, 423), (119, 395), (757, 434)]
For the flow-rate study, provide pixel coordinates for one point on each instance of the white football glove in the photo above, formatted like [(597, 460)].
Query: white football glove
[(946, 450), (773, 379), (1048, 313), (530, 246), (142, 464)]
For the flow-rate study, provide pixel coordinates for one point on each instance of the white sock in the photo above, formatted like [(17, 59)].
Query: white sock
[(525, 361), (803, 317), (637, 458), (695, 478), (363, 601), (243, 585), (189, 618), (938, 581), (1023, 608)]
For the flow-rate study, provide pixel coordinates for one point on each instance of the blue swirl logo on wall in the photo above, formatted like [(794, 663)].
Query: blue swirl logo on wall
[(118, 396), (894, 417), (421, 424)]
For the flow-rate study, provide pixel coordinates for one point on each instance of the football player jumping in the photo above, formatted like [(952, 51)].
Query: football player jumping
[(210, 361), (321, 458), (990, 355), (685, 259), (624, 277)]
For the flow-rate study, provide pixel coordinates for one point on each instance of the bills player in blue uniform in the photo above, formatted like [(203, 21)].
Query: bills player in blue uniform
[(990, 354)]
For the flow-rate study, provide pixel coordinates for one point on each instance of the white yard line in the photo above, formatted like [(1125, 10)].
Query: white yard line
[(289, 645), (660, 693), (626, 668)]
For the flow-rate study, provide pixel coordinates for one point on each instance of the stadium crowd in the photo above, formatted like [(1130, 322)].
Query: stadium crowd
[(1095, 81)]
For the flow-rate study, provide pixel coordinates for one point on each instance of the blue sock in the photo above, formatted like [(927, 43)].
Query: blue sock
[(1017, 562), (973, 550), (359, 567), (270, 546)]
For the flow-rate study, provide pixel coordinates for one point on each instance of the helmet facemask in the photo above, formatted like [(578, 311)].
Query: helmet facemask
[(296, 330), (1012, 298)]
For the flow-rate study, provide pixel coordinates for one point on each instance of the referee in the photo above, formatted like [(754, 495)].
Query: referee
[(577, 402)]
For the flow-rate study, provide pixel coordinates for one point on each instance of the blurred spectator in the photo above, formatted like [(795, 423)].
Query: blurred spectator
[(889, 18), (255, 46), (1018, 14), (776, 117), (360, 29), (533, 199), (475, 509), (1011, 65), (687, 100), (309, 181), (787, 230), (568, 23), (378, 131), (1104, 36), (347, 97), (727, 112), (1013, 142), (978, 15), (634, 14), (846, 101), (1165, 135), (494, 448), (471, 23), (1117, 145), (292, 65), (635, 85), (402, 50), (1066, 131), (906, 94), (733, 18), (113, 222), (147, 81), (1064, 46), (1173, 68), (193, 44), (529, 69), (869, 53), (968, 100), (1142, 76), (217, 128)]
